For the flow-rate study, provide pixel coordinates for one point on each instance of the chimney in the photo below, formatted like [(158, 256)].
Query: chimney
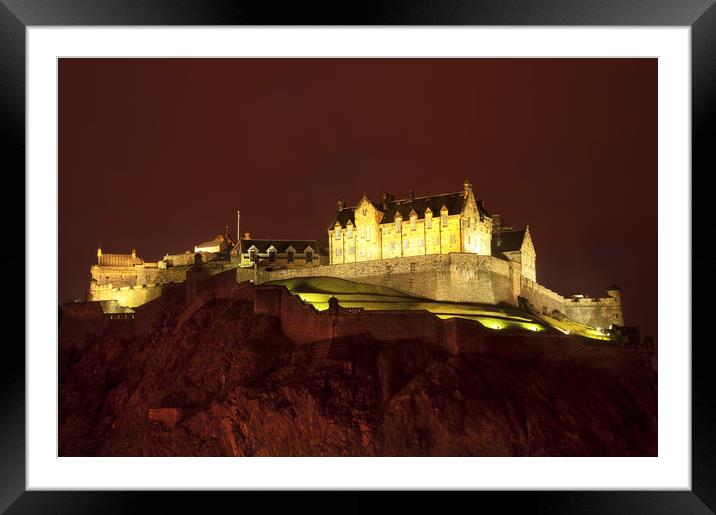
[(341, 204), (411, 195), (387, 197), (496, 223), (247, 235)]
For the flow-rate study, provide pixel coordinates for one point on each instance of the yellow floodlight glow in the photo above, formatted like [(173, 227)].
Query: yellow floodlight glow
[(532, 327)]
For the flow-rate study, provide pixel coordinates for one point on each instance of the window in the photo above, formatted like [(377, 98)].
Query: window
[(253, 256), (398, 222), (309, 256), (413, 222), (338, 233), (429, 220), (437, 240), (289, 256), (365, 212), (468, 223), (367, 237), (444, 217), (406, 244), (350, 231), (272, 256), (422, 242), (338, 253), (452, 238)]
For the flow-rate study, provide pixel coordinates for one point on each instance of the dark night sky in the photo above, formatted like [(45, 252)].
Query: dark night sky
[(158, 154)]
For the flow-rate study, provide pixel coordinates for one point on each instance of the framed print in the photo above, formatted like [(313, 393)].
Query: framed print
[(464, 238)]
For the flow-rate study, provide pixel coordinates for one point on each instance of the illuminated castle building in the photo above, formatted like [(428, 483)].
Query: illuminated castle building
[(445, 247), (420, 226)]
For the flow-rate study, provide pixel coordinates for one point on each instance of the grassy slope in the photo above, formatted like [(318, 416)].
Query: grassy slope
[(318, 290)]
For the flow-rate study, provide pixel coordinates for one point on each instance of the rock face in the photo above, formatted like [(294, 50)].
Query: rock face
[(227, 382)]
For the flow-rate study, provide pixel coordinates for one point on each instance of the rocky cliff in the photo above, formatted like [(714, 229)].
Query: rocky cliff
[(222, 380)]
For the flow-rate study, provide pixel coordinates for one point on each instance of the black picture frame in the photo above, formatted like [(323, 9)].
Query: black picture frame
[(17, 15)]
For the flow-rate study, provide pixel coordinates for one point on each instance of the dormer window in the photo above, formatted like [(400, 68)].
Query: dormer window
[(290, 253), (338, 232), (272, 255), (413, 222), (444, 218), (428, 219), (350, 230), (398, 222)]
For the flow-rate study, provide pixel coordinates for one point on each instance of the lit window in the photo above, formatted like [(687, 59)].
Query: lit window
[(444, 217), (429, 220), (338, 253), (406, 244), (338, 233), (368, 234), (350, 231), (365, 212), (413, 222), (398, 222)]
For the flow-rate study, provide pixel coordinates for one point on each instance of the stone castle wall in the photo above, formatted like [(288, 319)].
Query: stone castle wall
[(450, 277), (593, 312), (456, 277), (134, 286)]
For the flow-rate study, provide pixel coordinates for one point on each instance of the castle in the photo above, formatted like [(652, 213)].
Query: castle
[(445, 247), (405, 228)]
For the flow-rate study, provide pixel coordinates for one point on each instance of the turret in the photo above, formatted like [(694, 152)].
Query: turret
[(467, 188), (614, 292)]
